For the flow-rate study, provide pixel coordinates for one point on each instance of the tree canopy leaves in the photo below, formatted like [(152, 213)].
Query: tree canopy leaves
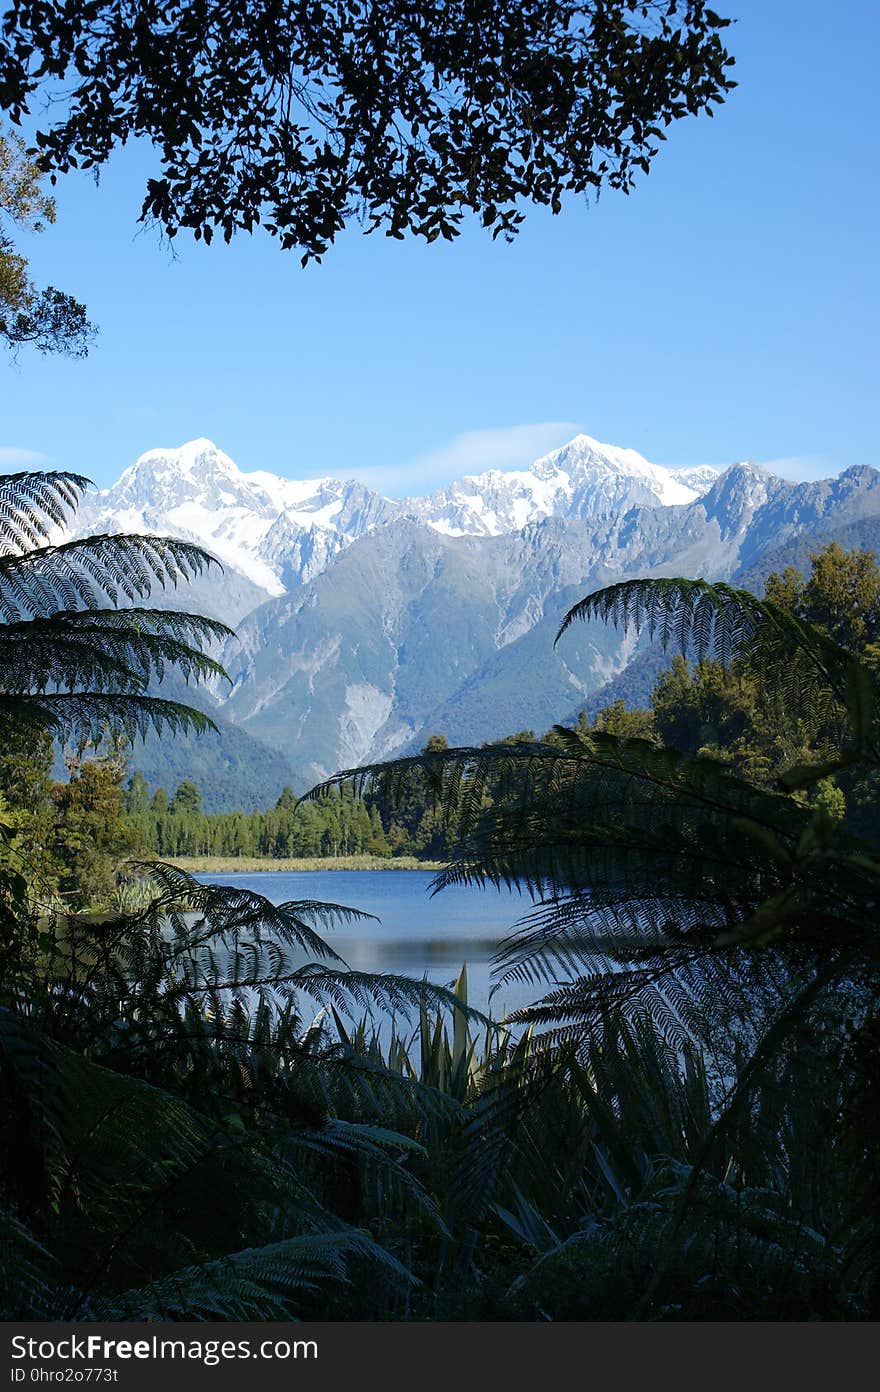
[(49, 319), (405, 116)]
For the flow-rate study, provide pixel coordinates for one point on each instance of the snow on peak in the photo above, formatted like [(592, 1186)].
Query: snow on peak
[(583, 478), (279, 530), (587, 458), (274, 530), (584, 446), (185, 459), (700, 478)]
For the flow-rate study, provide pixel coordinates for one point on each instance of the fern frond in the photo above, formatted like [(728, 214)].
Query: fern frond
[(719, 620), (255, 1284), (710, 618), (31, 504), (89, 572), (117, 649), (85, 715)]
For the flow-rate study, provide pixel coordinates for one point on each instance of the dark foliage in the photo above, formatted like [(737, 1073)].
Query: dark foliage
[(51, 322), (48, 320), (72, 662), (404, 116)]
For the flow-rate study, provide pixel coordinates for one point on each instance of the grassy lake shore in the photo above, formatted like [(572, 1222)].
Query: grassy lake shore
[(228, 865)]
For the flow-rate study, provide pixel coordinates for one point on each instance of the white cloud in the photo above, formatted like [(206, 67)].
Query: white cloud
[(475, 451), (802, 467), (14, 458)]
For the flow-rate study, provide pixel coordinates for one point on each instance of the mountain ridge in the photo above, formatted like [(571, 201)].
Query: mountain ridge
[(278, 532), (412, 632), (365, 623)]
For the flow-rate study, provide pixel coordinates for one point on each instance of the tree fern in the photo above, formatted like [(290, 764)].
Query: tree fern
[(714, 919), (137, 1179), (809, 668), (262, 1283), (72, 663), (32, 503)]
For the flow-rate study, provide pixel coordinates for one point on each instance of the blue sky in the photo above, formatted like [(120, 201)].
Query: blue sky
[(728, 309)]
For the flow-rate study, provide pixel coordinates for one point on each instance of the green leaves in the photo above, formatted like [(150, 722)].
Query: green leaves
[(48, 319)]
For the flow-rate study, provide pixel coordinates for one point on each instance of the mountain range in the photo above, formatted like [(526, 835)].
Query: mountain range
[(366, 623), (275, 533)]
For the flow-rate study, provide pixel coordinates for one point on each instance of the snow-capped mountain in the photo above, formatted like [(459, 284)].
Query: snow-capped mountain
[(412, 632), (365, 623), (280, 532), (583, 479), (273, 530)]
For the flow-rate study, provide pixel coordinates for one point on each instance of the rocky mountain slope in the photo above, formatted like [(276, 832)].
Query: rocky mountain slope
[(274, 533), (367, 623), (412, 631)]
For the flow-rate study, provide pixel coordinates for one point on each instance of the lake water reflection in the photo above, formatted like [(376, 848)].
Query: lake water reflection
[(416, 934)]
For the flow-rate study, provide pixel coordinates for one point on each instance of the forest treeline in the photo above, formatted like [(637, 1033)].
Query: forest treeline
[(76, 832)]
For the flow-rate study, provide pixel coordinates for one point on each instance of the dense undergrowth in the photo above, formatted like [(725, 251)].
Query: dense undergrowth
[(198, 1127)]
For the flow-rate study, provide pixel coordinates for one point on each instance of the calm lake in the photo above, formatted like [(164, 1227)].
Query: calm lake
[(416, 935)]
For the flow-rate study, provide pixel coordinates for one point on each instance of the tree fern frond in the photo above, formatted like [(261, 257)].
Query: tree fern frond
[(720, 620), (70, 663), (199, 913), (32, 503), (386, 992), (86, 573), (692, 613), (456, 778), (85, 715), (93, 648), (255, 1284), (174, 623)]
